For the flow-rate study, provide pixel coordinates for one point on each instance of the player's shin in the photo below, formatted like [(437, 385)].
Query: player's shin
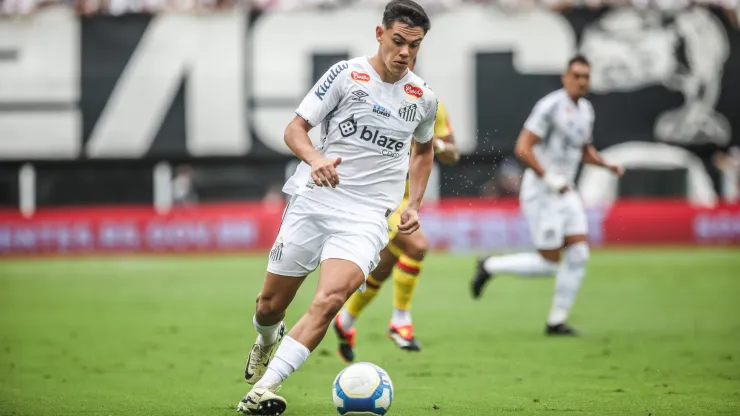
[(568, 281), (405, 278)]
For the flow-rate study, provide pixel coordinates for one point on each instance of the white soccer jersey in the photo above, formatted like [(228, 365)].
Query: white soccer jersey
[(564, 128), (369, 124)]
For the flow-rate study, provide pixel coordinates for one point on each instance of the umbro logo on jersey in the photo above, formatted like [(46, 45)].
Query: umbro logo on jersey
[(408, 111), (359, 96), (323, 87), (381, 111), (413, 90), (360, 76)]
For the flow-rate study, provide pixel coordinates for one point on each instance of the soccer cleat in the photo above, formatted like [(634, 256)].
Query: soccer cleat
[(560, 330), (346, 345), (260, 357), (403, 337), (481, 278), (261, 401)]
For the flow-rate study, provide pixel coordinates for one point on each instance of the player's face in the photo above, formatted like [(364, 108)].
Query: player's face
[(577, 80), (399, 45)]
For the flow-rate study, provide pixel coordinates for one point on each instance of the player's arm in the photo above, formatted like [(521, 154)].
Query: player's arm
[(323, 170), (591, 156), (446, 150), (534, 129), (323, 97), (422, 160), (444, 140), (420, 167)]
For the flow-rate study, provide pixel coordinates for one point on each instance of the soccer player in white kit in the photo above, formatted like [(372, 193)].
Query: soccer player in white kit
[(369, 109), (555, 139)]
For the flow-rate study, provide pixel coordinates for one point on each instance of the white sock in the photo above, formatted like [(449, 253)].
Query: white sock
[(568, 281), (288, 359), (520, 264), (267, 333), (400, 317), (346, 320)]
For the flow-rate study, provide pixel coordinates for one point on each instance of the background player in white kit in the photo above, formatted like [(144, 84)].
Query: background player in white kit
[(369, 109), (555, 139)]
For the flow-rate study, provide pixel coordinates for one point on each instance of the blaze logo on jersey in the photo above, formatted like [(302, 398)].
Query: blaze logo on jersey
[(348, 126), (381, 111), (387, 143), (360, 76), (408, 111), (323, 87), (413, 90)]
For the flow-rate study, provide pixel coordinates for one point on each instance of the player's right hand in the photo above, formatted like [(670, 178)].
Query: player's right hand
[(555, 182), (324, 172)]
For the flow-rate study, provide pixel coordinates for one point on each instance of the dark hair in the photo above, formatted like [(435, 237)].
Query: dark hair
[(407, 12), (578, 59)]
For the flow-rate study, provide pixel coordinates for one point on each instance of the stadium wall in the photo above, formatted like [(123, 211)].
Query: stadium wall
[(460, 225), (217, 89)]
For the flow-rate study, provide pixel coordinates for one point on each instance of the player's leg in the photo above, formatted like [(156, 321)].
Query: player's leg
[(345, 320), (347, 257), (572, 269), (338, 278), (276, 295), (405, 279), (294, 255), (545, 222)]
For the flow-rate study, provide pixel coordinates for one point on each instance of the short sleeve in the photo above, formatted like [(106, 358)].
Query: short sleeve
[(425, 130), (591, 120), (325, 94), (441, 123), (540, 118)]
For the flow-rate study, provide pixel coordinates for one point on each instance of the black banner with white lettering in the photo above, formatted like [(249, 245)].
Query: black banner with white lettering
[(99, 97)]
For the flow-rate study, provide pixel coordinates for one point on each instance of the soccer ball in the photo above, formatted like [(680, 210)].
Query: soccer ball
[(362, 389)]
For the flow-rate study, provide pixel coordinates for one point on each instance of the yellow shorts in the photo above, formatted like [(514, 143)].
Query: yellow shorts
[(395, 219), (393, 222)]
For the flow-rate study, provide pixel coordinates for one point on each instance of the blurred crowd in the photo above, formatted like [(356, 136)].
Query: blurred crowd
[(116, 7)]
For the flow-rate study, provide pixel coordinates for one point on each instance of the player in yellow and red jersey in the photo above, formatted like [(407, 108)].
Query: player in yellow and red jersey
[(402, 258)]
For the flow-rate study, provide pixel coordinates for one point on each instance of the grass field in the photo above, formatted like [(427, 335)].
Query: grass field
[(169, 335)]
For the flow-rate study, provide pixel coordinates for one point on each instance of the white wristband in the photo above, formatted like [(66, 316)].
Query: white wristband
[(439, 146), (554, 181)]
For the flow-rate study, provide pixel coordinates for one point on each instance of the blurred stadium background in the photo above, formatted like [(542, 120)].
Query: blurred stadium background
[(133, 127)]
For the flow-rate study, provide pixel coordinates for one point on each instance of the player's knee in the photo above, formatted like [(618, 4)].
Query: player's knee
[(327, 305), (417, 248), (552, 256), (578, 253)]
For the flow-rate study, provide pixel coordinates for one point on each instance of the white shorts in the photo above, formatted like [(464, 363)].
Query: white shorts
[(552, 217), (312, 232)]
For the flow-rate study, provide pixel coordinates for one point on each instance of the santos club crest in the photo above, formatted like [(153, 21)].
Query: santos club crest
[(407, 111)]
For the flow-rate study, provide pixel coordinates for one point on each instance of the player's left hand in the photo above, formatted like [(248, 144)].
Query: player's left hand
[(409, 221), (618, 170)]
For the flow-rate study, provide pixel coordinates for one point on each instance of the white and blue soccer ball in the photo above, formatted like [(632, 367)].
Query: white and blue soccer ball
[(363, 389)]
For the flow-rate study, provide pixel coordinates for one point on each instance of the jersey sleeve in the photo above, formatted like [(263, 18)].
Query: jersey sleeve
[(591, 120), (325, 94), (425, 130), (540, 119), (441, 123)]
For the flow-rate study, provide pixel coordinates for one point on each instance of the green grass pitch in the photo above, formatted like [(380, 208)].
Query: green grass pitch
[(169, 336)]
